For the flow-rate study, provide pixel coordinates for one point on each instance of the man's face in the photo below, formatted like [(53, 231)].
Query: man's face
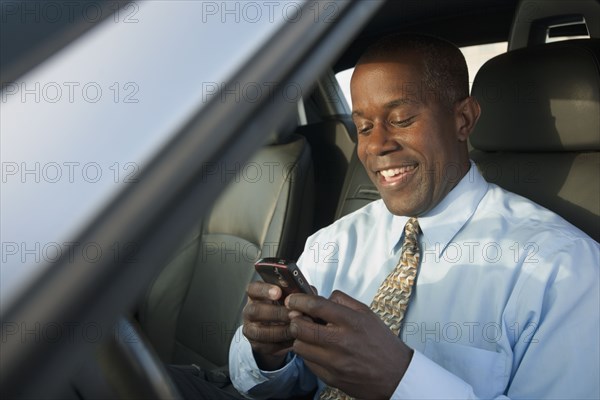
[(408, 141)]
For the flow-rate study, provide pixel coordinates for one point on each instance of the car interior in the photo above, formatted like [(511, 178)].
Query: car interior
[(538, 136)]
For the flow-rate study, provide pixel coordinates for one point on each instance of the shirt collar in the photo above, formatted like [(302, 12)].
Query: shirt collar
[(396, 231), (446, 219)]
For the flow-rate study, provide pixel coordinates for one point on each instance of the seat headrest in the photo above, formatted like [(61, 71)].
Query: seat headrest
[(284, 131), (532, 21), (540, 98)]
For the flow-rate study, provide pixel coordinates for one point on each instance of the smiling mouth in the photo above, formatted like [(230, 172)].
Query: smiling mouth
[(393, 175)]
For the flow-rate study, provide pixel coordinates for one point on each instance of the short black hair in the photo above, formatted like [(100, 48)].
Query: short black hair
[(445, 70)]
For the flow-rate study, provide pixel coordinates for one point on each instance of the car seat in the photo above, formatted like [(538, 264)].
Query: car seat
[(539, 131), (193, 308)]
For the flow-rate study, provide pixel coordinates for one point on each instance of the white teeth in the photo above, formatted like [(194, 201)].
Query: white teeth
[(388, 173)]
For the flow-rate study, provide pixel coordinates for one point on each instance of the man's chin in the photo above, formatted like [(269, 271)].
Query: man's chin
[(397, 207), (407, 207)]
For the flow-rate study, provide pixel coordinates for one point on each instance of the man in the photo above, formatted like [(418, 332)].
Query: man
[(506, 298)]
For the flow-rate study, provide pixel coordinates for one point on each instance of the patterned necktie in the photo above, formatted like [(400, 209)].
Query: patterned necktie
[(392, 297)]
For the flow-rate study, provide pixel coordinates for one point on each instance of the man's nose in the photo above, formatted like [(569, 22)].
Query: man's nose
[(381, 140)]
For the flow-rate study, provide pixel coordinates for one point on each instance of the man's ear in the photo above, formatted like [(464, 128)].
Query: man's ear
[(467, 113)]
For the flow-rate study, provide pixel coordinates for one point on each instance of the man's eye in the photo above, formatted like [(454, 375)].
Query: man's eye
[(363, 129), (404, 123)]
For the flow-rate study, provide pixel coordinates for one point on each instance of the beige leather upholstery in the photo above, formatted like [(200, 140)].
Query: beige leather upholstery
[(539, 131), (194, 307), (358, 189), (332, 142), (541, 99)]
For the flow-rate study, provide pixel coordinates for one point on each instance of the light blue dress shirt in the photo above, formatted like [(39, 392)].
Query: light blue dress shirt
[(506, 305)]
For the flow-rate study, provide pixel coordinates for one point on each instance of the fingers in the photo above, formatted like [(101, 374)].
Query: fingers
[(266, 325), (313, 306), (261, 306), (339, 310), (270, 344), (320, 347), (265, 312), (354, 343), (268, 334), (307, 331), (264, 320), (261, 291), (314, 356), (347, 301)]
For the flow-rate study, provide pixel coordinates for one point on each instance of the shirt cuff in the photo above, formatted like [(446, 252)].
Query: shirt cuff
[(424, 379), (243, 369), (289, 360)]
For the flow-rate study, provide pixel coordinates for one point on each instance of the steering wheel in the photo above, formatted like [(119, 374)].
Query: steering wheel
[(126, 367)]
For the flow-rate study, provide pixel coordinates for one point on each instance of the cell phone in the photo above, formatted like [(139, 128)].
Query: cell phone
[(283, 273)]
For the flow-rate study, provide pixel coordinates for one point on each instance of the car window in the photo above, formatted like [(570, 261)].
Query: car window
[(476, 56), (113, 120), (186, 98)]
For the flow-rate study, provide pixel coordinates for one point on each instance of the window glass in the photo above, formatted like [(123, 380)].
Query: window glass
[(343, 78), (477, 55)]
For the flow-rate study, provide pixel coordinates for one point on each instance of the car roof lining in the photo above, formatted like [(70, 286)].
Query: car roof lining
[(453, 20)]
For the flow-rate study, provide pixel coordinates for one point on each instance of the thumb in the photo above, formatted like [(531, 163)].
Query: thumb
[(347, 301)]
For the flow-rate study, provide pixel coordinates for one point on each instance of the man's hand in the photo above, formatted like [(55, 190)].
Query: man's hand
[(266, 325), (355, 352)]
